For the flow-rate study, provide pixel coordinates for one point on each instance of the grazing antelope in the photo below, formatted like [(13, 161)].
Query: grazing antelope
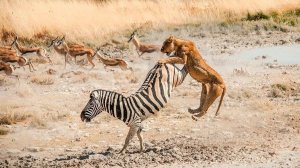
[(112, 61), (141, 47), (13, 57), (23, 50), (7, 68)]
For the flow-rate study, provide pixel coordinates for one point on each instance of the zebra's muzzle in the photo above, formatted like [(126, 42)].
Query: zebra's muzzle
[(83, 118)]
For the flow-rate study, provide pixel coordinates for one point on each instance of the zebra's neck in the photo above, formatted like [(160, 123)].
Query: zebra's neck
[(113, 103)]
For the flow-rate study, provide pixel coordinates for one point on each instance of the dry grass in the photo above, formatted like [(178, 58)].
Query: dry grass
[(37, 122), (95, 22), (9, 118), (240, 72), (3, 131), (42, 79), (281, 90)]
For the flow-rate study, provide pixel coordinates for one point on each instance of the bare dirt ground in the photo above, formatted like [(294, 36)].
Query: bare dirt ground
[(258, 126)]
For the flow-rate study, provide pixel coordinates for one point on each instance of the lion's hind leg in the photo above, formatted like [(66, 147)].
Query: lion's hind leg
[(204, 92), (214, 92)]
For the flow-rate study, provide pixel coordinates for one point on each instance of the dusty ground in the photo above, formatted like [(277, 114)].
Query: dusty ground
[(258, 125)]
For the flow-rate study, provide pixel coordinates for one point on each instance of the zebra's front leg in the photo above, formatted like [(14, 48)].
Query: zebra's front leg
[(139, 135), (132, 131)]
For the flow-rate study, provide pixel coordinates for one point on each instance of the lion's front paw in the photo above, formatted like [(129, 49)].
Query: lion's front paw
[(162, 61)]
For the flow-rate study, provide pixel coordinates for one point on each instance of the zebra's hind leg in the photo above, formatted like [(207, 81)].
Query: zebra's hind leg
[(132, 131), (139, 135)]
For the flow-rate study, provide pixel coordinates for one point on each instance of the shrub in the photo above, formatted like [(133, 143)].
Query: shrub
[(256, 16), (42, 80)]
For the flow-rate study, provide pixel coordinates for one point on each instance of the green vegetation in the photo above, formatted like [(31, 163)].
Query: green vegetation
[(289, 17)]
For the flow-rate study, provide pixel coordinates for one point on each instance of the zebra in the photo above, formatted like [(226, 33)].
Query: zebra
[(148, 100)]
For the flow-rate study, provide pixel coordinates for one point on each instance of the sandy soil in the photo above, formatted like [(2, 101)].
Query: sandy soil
[(258, 124)]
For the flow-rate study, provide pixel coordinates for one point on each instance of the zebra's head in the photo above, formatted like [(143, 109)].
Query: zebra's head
[(92, 108)]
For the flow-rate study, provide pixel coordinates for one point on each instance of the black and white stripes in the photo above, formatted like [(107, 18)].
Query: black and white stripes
[(148, 100)]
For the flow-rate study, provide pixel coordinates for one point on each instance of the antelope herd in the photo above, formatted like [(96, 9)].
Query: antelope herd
[(16, 53)]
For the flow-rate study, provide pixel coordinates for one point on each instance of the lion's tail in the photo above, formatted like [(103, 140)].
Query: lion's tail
[(221, 100)]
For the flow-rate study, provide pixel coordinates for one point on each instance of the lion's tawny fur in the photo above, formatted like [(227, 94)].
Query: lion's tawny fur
[(187, 53)]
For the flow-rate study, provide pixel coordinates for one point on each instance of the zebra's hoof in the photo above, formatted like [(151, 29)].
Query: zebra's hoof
[(192, 111)]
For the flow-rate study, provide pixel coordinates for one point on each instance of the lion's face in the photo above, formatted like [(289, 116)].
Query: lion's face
[(168, 46)]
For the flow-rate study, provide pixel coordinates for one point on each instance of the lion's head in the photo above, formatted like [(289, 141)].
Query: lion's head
[(168, 45)]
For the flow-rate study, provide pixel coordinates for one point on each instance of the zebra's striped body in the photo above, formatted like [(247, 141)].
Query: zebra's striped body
[(148, 100)]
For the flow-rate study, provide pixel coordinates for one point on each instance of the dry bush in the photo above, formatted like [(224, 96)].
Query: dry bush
[(42, 79), (51, 71), (96, 22), (6, 34), (81, 79), (280, 90), (56, 116), (71, 74), (37, 121), (240, 72), (3, 131), (9, 118), (275, 93)]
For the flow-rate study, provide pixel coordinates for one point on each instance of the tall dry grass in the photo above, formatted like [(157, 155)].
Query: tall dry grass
[(96, 21)]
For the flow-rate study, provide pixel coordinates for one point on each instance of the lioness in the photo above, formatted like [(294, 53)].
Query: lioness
[(186, 53)]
